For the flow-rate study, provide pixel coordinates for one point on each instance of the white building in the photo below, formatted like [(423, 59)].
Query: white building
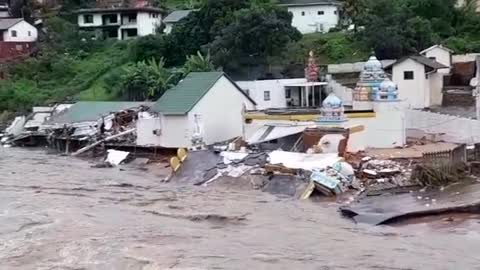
[(419, 81), (310, 16), (17, 30), (441, 54), (284, 93), (475, 4), (204, 104), (173, 18), (121, 23)]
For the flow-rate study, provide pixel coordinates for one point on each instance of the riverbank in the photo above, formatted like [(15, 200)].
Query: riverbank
[(59, 213)]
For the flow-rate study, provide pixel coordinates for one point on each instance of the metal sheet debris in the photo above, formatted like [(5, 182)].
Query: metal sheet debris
[(116, 157), (229, 157)]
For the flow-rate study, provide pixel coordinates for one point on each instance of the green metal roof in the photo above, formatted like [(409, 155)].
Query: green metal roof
[(85, 111), (176, 16), (180, 99)]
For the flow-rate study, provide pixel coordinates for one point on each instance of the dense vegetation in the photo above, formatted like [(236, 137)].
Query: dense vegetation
[(232, 35)]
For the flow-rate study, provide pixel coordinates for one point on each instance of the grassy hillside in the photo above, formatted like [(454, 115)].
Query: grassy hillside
[(328, 48)]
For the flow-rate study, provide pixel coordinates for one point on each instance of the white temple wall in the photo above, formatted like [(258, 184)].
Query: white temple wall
[(442, 127), (386, 130)]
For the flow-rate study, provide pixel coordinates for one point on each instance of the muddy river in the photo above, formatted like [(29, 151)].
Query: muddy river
[(59, 213)]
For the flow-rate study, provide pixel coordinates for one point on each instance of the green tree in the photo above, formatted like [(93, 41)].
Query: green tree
[(148, 47), (198, 63), (253, 36), (201, 27), (146, 80), (393, 30), (351, 11)]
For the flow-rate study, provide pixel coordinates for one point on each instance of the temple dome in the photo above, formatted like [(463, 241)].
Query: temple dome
[(373, 64), (332, 101), (388, 86)]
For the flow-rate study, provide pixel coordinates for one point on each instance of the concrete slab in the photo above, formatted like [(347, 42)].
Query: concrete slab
[(390, 208)]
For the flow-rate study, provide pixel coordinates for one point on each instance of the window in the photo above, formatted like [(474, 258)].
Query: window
[(129, 33), (408, 75), (303, 13), (433, 58), (266, 95), (132, 18), (321, 12), (88, 18), (110, 19), (335, 12), (288, 93), (14, 33), (29, 33), (155, 15)]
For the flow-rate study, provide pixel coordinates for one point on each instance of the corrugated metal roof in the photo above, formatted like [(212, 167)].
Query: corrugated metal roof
[(176, 16), (307, 2), (7, 23), (84, 111), (120, 9), (422, 60), (180, 99)]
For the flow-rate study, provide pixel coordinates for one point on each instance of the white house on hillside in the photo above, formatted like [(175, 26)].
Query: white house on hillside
[(207, 105), (476, 4), (310, 16), (119, 22), (419, 80), (441, 54), (173, 18), (17, 30)]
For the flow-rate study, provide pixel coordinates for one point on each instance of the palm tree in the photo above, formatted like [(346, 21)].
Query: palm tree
[(146, 80), (198, 63), (160, 79)]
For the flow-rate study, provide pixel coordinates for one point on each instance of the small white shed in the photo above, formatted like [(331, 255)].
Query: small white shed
[(205, 103), (419, 81), (441, 54)]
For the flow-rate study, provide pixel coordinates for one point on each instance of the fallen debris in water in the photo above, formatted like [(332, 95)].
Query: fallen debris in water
[(213, 218), (116, 157), (439, 174)]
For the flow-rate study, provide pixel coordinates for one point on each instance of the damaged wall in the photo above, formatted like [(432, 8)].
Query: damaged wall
[(173, 131), (386, 130), (219, 112)]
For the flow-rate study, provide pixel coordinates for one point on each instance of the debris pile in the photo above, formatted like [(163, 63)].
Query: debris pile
[(326, 173), (438, 174), (387, 173), (30, 130)]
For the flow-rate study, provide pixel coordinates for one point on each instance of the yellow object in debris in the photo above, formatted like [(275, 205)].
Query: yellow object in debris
[(182, 154), (175, 163), (356, 129), (308, 191)]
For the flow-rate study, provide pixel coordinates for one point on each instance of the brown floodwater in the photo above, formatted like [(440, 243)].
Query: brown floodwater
[(58, 213)]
